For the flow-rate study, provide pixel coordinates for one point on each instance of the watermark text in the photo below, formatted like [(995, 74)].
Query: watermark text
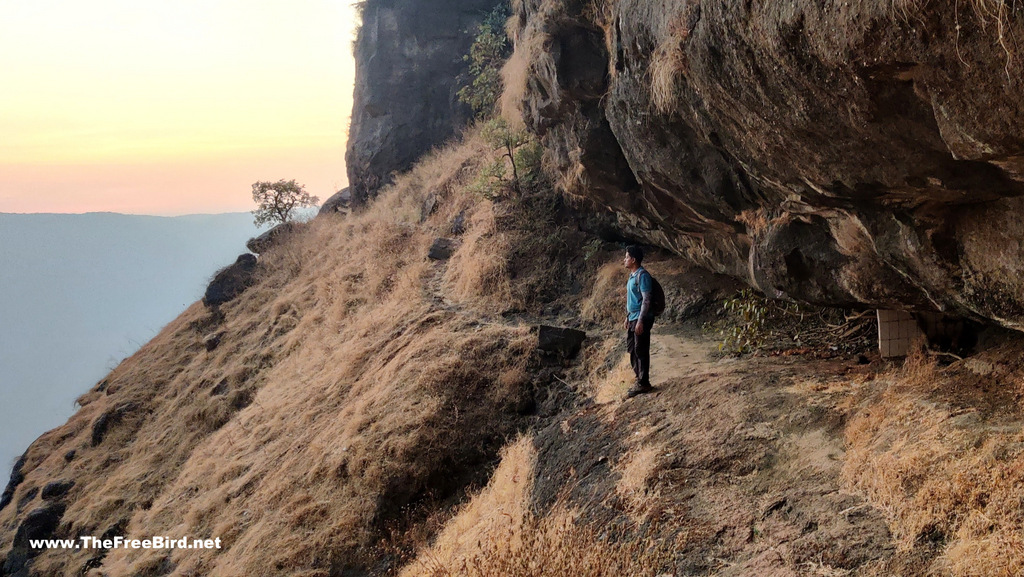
[(158, 542)]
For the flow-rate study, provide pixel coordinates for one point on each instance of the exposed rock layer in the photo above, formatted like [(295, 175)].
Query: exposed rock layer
[(854, 153), (409, 56)]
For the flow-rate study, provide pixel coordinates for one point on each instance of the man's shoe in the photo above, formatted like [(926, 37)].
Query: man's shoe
[(638, 389)]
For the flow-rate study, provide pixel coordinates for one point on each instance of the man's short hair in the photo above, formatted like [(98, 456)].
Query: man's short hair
[(636, 251)]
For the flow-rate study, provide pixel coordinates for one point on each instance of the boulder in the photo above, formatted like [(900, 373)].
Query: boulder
[(441, 249), (272, 237), (429, 204), (459, 223), (231, 281), (56, 489), (101, 426), (40, 523), (212, 341), (220, 388), (338, 202), (27, 497), (564, 341), (16, 478)]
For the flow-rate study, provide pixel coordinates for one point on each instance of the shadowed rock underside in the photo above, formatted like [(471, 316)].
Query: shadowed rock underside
[(865, 153)]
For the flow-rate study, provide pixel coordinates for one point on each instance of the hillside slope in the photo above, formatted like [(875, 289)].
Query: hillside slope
[(356, 379)]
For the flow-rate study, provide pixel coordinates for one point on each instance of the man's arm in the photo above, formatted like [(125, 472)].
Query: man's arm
[(639, 328), (645, 293)]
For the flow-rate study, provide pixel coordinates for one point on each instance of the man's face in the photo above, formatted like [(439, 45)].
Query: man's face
[(628, 261)]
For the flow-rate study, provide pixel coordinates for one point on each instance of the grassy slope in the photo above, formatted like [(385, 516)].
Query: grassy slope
[(345, 388)]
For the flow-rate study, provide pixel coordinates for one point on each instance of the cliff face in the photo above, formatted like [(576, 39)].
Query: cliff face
[(408, 57), (843, 153)]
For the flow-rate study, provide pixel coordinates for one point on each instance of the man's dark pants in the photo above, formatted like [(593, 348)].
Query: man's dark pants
[(639, 347)]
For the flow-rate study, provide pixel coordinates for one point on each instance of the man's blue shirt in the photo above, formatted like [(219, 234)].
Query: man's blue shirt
[(639, 282)]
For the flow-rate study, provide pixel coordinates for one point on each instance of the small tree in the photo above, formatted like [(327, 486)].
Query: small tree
[(276, 201), (518, 147)]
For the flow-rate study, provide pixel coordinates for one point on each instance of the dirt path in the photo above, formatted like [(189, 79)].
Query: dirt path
[(678, 353), (738, 459)]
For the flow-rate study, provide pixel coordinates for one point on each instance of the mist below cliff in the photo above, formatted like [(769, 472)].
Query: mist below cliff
[(79, 292)]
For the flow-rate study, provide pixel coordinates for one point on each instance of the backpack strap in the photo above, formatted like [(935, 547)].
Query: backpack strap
[(644, 271)]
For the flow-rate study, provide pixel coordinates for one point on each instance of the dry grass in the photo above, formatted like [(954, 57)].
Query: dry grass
[(636, 471), (757, 221), (562, 158), (604, 383), (515, 76), (480, 267), (604, 305), (574, 179), (668, 64), (818, 569), (497, 535), (557, 545), (944, 475), (499, 509), (619, 379), (531, 70), (343, 392)]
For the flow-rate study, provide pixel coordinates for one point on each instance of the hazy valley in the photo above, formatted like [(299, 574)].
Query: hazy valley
[(78, 293)]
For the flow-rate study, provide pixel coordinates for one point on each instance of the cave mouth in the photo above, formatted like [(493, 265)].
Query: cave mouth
[(796, 266)]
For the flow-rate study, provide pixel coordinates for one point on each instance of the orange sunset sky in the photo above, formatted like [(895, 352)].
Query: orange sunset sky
[(170, 107)]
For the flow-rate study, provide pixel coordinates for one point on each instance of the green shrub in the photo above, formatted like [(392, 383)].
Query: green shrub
[(520, 153), (490, 49), (748, 331)]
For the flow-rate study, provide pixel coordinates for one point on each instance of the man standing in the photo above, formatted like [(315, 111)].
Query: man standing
[(639, 320)]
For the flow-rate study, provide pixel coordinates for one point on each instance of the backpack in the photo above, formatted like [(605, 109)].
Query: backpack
[(657, 305)]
